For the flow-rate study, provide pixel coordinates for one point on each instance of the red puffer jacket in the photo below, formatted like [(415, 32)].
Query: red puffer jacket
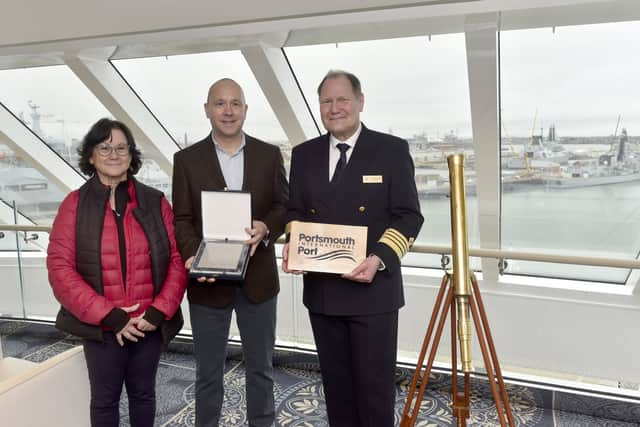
[(79, 298)]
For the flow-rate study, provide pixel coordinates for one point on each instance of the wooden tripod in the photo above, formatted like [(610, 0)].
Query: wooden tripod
[(460, 404)]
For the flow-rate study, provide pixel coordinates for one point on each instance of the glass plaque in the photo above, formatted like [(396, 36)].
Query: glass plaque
[(222, 253)]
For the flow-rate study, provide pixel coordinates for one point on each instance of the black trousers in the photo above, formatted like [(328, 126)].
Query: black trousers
[(134, 365), (358, 359)]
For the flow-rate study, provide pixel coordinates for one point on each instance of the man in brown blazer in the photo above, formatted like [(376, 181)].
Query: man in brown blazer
[(229, 159)]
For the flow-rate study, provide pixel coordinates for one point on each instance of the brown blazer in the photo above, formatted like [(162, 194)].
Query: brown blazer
[(196, 168)]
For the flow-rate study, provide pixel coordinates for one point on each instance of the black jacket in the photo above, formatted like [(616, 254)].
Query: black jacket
[(377, 189)]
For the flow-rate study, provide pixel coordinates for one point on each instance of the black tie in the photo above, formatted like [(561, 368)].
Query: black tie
[(342, 162)]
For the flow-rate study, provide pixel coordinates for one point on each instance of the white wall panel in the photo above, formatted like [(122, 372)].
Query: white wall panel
[(569, 337)]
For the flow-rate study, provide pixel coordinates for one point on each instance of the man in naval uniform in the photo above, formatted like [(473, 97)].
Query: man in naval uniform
[(355, 176)]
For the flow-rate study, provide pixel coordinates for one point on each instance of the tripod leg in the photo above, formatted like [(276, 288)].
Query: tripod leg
[(454, 359), (461, 403), (432, 356), (487, 362), (492, 349), (425, 345)]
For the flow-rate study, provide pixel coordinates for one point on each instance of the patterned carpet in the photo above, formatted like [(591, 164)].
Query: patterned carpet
[(299, 395)]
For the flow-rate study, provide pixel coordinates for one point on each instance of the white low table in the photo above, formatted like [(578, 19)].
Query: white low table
[(54, 392)]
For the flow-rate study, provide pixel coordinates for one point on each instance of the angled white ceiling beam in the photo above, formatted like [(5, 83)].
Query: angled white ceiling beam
[(37, 154), (482, 67), (110, 88), (276, 79)]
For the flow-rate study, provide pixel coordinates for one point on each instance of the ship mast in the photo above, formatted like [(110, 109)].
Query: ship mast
[(35, 118), (527, 161)]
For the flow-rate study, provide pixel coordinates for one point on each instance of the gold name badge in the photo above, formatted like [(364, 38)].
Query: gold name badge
[(372, 179)]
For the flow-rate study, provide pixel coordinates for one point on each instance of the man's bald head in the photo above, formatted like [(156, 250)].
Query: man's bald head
[(226, 81), (226, 109)]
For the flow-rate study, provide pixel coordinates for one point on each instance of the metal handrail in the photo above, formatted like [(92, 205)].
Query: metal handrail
[(446, 250), (12, 227), (534, 256)]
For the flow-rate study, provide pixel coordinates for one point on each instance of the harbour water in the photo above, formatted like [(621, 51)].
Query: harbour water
[(599, 221), (584, 219)]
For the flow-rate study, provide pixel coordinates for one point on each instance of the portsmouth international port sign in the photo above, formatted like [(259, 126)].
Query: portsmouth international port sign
[(327, 248)]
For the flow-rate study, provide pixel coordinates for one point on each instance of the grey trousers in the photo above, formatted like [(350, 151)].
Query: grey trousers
[(210, 326)]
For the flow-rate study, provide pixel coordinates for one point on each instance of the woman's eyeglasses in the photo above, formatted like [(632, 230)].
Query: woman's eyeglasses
[(105, 150)]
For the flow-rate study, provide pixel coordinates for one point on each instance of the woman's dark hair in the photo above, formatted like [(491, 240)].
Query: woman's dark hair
[(100, 132)]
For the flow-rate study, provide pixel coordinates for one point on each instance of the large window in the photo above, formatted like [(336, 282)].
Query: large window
[(570, 153), (26, 190), (415, 88), (175, 90), (59, 109), (54, 104)]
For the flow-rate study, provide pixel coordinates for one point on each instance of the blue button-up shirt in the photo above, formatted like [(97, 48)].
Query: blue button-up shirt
[(231, 165)]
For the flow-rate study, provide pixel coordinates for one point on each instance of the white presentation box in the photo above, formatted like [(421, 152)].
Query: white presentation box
[(222, 253), (326, 248)]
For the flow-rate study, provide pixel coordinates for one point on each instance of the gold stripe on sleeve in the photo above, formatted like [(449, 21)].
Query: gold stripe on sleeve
[(396, 241), (402, 241), (392, 245)]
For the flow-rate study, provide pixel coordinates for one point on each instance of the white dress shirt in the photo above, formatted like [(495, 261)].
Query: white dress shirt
[(334, 151)]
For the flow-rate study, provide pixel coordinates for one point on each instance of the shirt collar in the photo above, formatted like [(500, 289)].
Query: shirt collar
[(220, 149), (351, 141)]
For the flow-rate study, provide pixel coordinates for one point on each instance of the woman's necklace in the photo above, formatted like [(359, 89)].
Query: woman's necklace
[(112, 201)]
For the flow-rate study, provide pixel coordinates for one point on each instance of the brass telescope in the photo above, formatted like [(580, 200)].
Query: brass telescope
[(460, 255), (461, 295)]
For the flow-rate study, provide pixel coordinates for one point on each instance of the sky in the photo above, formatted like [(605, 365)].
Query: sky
[(580, 78)]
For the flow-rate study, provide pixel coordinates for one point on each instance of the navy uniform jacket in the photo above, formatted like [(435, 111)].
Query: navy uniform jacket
[(389, 208)]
